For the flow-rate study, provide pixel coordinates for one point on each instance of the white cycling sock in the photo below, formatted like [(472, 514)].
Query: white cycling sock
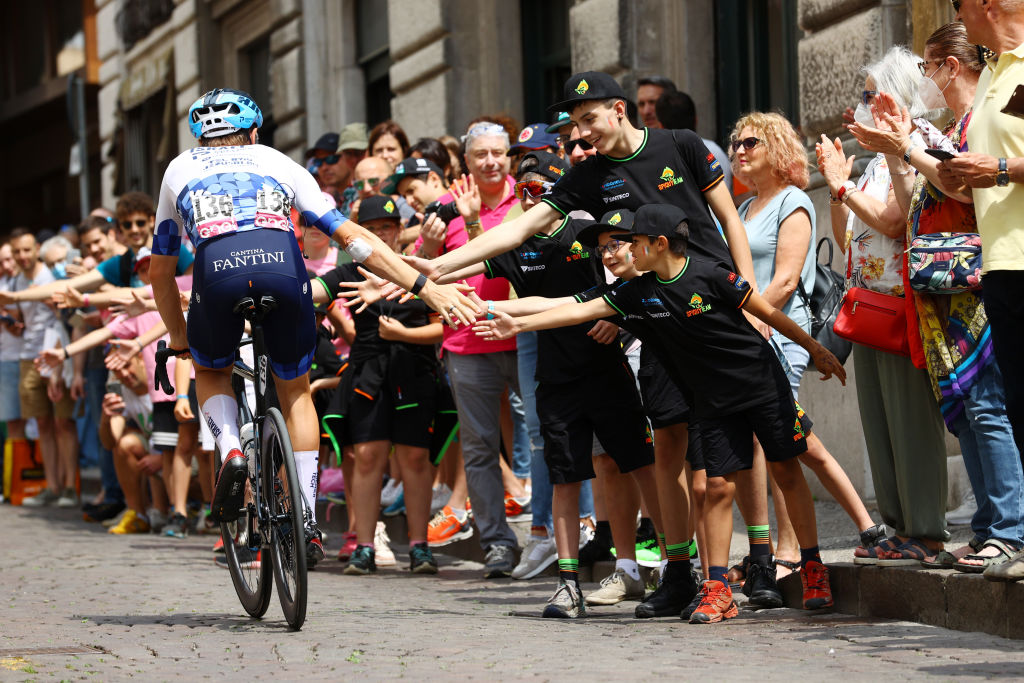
[(630, 567), (307, 467), (221, 413)]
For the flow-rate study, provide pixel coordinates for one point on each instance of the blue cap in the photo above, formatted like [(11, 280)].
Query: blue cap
[(534, 136)]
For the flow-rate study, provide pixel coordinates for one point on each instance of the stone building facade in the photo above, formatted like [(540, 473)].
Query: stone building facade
[(433, 65)]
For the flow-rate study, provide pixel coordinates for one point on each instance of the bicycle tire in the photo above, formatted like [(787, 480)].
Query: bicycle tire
[(252, 584), (287, 527)]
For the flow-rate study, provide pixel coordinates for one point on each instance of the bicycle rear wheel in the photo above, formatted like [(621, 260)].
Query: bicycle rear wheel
[(287, 529), (248, 565)]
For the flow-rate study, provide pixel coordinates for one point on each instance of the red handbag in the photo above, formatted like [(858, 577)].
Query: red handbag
[(874, 319)]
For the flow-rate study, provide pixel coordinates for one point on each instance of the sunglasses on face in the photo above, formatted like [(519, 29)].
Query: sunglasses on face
[(609, 247), (139, 223), (571, 145), (532, 188), (369, 182), (866, 96), (331, 160), (746, 143)]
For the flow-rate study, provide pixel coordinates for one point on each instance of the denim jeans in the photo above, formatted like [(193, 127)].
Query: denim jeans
[(991, 458), (540, 482), (521, 454)]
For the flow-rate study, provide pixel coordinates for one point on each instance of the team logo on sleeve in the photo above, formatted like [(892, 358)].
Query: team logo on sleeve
[(582, 87), (668, 177), (737, 281), (697, 306)]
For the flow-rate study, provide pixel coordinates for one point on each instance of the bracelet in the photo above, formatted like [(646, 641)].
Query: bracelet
[(833, 200), (847, 187), (901, 173), (85, 301), (473, 223), (490, 310), (421, 280), (183, 396), (139, 344), (65, 350), (847, 195)]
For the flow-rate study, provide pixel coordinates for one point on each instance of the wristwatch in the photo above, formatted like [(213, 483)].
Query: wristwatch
[(1002, 175)]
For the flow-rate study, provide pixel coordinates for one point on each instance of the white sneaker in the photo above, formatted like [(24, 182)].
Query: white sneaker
[(566, 603), (439, 497), (965, 513), (586, 534), (68, 499), (44, 498), (539, 554), (383, 555), (157, 520), (389, 494), (615, 588)]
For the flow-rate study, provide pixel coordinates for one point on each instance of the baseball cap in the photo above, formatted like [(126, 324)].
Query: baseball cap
[(549, 165), (616, 219), (561, 121), (587, 85), (143, 254), (328, 142), (534, 136), (378, 206), (353, 136), (409, 167), (656, 220)]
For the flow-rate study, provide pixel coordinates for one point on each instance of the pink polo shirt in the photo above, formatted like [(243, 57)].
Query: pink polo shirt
[(463, 340)]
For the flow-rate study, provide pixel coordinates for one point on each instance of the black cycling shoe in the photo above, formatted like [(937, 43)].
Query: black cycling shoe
[(693, 604), (314, 546), (229, 496), (760, 586), (668, 600)]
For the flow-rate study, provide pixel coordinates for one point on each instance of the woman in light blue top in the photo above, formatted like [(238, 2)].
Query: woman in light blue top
[(768, 155)]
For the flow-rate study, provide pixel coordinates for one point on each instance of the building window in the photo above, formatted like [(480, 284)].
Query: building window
[(374, 58), (547, 62), (756, 42), (256, 60), (150, 142)]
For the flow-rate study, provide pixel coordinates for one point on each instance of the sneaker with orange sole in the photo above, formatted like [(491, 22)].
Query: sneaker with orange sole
[(716, 604), (446, 528), (817, 591), (516, 509)]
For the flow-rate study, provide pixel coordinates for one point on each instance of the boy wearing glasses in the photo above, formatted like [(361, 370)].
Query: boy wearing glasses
[(688, 311), (135, 215)]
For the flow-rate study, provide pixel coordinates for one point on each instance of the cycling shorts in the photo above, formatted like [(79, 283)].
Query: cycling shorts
[(255, 263)]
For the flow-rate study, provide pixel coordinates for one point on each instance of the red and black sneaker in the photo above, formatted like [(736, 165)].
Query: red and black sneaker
[(716, 604), (817, 591), (229, 495)]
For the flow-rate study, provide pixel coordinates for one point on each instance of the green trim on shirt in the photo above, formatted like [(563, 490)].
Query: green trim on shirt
[(668, 282)]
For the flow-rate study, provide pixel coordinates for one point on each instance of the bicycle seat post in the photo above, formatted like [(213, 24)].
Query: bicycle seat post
[(254, 312)]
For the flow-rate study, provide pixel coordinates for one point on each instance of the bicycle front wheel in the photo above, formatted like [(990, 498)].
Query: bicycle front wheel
[(287, 528), (247, 563)]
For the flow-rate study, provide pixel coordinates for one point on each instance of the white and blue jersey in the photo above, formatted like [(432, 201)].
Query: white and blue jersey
[(212, 191), (234, 203)]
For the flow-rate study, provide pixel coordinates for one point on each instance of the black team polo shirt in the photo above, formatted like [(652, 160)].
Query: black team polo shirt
[(670, 167)]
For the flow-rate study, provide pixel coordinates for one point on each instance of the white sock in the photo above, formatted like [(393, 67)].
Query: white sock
[(662, 566), (221, 413), (307, 467), (460, 514), (630, 567)]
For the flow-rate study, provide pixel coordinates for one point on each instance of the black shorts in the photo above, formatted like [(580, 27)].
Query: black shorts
[(604, 403), (663, 400), (253, 263), (725, 443), (390, 397), (165, 427)]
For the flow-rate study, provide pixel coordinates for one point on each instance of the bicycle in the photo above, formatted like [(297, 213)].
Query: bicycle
[(276, 509)]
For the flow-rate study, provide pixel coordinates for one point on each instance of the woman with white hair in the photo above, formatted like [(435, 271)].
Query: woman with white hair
[(903, 428)]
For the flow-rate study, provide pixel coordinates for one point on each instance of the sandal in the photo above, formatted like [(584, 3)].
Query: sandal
[(872, 536), (1006, 551), (737, 573), (863, 555), (793, 567), (945, 559), (910, 553)]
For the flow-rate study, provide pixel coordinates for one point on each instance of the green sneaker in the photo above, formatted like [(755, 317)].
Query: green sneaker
[(648, 554), (361, 562)]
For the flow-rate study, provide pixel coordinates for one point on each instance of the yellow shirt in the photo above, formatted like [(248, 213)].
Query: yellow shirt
[(1000, 210)]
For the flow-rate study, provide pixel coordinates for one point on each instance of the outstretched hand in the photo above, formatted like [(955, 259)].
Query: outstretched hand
[(69, 298), (451, 302), (132, 305), (502, 326), (122, 351)]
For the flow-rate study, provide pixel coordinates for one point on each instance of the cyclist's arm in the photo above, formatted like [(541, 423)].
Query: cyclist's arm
[(462, 274)]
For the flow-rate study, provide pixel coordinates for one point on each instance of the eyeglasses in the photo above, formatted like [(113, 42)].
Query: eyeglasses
[(956, 5), (331, 160), (533, 188), (746, 143), (866, 96), (609, 247), (923, 66), (139, 223), (578, 142), (369, 182)]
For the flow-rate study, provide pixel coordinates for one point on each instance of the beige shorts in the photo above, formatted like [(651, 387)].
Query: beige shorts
[(34, 401)]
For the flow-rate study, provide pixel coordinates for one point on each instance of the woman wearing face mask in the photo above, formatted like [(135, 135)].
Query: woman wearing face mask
[(952, 328), (901, 421)]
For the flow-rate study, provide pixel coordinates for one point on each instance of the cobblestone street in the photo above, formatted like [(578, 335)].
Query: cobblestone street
[(98, 607)]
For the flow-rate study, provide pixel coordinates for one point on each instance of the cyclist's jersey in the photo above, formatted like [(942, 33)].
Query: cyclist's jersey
[(212, 191)]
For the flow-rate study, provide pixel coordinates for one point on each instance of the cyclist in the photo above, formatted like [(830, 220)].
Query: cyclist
[(233, 198)]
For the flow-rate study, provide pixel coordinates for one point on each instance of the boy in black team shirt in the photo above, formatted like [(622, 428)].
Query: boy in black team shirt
[(688, 310), (585, 387)]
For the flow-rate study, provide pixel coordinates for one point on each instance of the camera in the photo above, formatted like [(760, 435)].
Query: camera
[(446, 212)]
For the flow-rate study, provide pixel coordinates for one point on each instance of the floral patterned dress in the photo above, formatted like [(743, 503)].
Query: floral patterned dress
[(874, 261), (954, 327)]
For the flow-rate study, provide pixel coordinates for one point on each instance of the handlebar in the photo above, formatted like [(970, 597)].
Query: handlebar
[(163, 352)]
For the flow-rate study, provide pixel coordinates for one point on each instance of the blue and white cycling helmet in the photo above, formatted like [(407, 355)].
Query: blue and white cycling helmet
[(223, 111)]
